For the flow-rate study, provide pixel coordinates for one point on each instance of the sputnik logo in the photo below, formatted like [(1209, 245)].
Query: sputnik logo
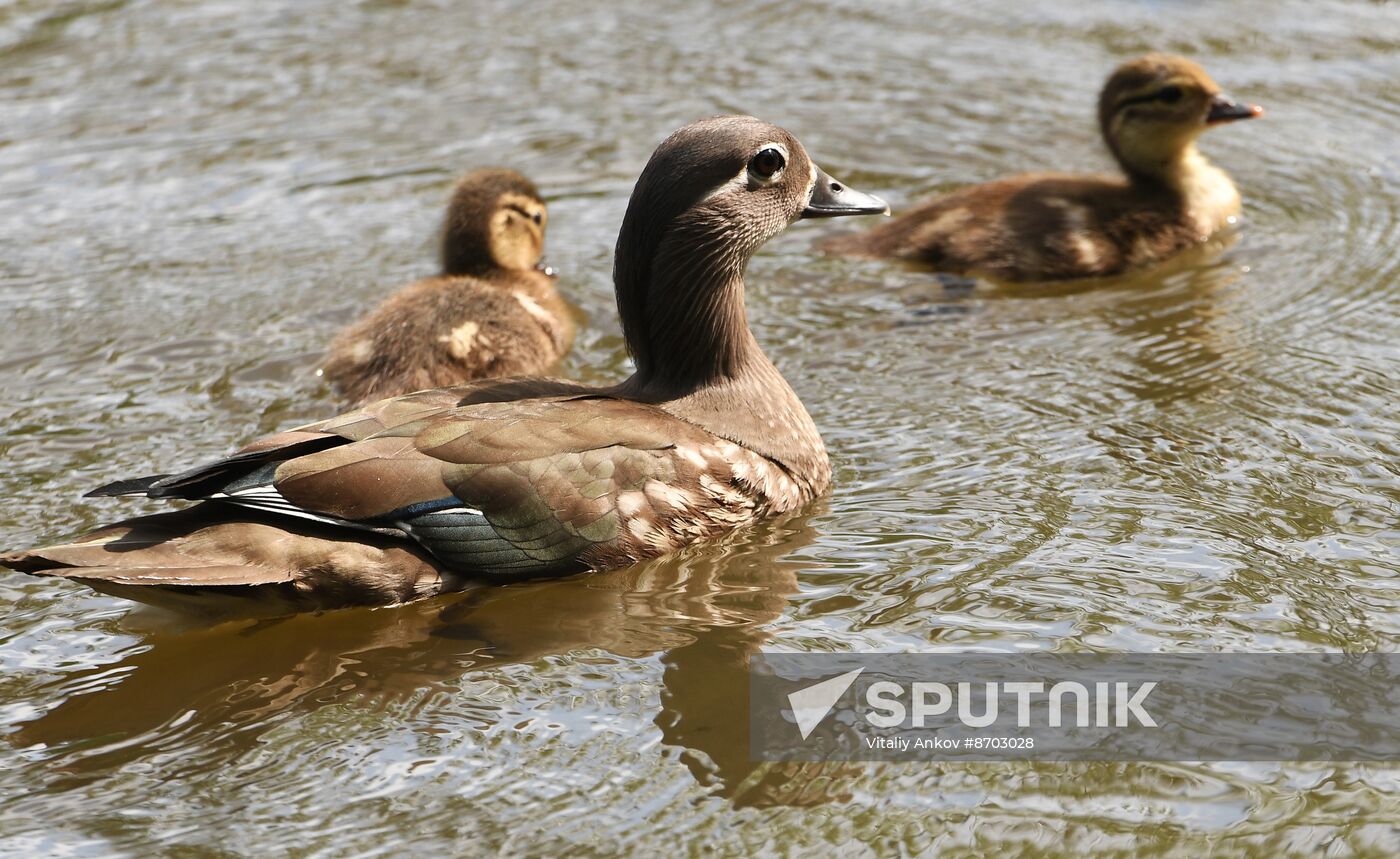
[(812, 704)]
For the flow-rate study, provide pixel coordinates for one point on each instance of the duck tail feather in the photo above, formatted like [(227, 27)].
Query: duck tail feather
[(130, 486)]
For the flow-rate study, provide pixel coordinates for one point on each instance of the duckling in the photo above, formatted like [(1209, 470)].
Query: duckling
[(1053, 226), (493, 311), (502, 479)]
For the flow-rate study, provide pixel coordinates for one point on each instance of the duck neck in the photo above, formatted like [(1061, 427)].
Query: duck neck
[(466, 256), (687, 325), (687, 328), (1207, 196)]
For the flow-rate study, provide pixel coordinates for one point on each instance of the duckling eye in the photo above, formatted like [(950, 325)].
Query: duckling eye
[(538, 218), (766, 164), (1169, 95)]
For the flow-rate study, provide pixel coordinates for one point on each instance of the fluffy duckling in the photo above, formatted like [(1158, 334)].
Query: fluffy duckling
[(1051, 226), (493, 311), (420, 494)]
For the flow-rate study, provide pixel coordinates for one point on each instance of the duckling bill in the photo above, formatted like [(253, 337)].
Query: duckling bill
[(493, 311), (1055, 226), (496, 480)]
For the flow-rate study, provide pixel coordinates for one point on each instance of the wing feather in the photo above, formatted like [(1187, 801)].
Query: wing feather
[(520, 487)]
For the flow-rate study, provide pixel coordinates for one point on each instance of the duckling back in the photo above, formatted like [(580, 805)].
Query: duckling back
[(1034, 227), (445, 331)]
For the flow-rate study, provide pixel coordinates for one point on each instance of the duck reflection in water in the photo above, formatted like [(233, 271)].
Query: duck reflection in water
[(707, 610)]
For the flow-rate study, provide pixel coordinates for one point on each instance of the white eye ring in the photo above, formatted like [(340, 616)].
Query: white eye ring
[(762, 169)]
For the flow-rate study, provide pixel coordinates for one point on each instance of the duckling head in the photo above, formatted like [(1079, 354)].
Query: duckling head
[(1154, 107), (495, 220), (712, 194)]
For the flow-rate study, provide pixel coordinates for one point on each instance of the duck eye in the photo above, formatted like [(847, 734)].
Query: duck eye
[(1169, 95), (767, 164), (538, 218)]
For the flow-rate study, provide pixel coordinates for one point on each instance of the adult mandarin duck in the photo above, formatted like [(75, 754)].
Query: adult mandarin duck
[(425, 493)]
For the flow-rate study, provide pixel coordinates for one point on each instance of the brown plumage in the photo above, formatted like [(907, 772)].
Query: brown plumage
[(1052, 226), (493, 311), (500, 479)]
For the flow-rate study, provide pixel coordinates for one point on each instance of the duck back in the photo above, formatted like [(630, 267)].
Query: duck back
[(447, 330)]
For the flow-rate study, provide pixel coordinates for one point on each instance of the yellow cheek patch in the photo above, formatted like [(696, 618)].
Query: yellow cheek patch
[(526, 204), (516, 240)]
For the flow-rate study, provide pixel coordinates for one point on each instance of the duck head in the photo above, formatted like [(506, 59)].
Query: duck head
[(711, 195), (1154, 107), (495, 220)]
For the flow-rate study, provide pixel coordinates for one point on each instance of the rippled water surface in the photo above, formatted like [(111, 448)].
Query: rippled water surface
[(1202, 457)]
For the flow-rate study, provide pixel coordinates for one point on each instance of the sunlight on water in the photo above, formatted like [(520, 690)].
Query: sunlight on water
[(1200, 457)]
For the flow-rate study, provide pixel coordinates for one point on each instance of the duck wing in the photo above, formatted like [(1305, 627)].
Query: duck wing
[(351, 426), (501, 489)]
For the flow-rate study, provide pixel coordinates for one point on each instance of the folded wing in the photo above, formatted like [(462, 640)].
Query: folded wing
[(496, 488)]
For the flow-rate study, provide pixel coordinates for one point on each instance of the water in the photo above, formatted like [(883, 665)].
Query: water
[(1203, 457)]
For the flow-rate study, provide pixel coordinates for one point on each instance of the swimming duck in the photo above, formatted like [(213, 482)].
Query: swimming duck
[(501, 479), (1054, 226), (493, 311)]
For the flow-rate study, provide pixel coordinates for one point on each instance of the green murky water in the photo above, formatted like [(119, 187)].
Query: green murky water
[(1204, 457)]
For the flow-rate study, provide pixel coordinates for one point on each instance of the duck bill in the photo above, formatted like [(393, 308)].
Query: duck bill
[(831, 199), (1226, 109)]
